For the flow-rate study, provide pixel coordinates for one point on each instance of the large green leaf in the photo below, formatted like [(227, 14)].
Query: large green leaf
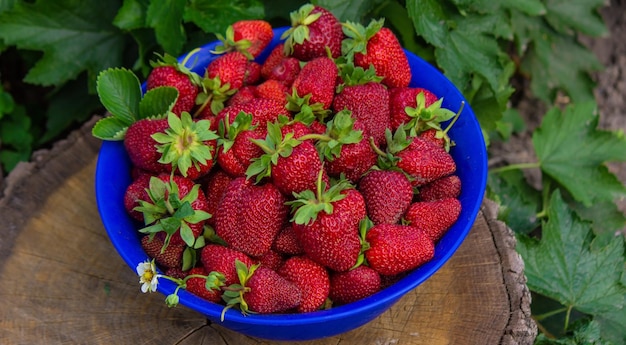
[(214, 16), (519, 202), (166, 17), (352, 10), (565, 266), (573, 151), (132, 15), (576, 16), (74, 36), (119, 90)]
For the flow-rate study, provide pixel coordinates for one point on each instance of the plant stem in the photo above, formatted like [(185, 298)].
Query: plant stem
[(548, 314), (567, 316), (518, 166)]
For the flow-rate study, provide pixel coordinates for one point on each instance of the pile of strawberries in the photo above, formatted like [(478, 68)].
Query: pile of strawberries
[(314, 178)]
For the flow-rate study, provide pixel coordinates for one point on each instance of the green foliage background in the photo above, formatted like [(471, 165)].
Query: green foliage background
[(52, 50)]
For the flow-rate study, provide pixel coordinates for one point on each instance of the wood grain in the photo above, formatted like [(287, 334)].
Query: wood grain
[(62, 281)]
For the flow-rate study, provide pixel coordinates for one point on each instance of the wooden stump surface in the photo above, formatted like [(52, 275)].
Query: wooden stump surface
[(62, 282)]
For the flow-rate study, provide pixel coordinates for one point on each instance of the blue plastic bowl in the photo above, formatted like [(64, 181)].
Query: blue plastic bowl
[(113, 176)]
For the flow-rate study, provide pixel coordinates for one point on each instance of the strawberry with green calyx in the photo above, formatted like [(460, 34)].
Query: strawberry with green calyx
[(313, 30), (260, 290), (219, 258), (439, 136), (402, 99), (167, 71), (397, 248), (423, 117), (378, 46), (120, 93), (353, 285), (211, 99), (236, 150), (326, 222), (177, 207), (318, 77), (362, 93), (387, 193), (249, 37), (170, 256), (291, 164), (188, 146), (421, 160), (196, 281), (343, 148), (311, 278), (272, 89), (204, 284), (302, 105), (435, 217), (250, 216)]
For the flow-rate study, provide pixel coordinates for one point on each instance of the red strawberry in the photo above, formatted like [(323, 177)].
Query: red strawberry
[(311, 278), (395, 248), (170, 256), (249, 216), (425, 162), (327, 225), (136, 190), (168, 72), (286, 242), (176, 272), (243, 95), (317, 78), (434, 218), (353, 285), (263, 110), (313, 30), (271, 259), (236, 148), (263, 291), (176, 143), (292, 165), (377, 46), (215, 187), (387, 194), (258, 32), (402, 97), (445, 187), (343, 147), (285, 71), (167, 195), (362, 93), (273, 59), (272, 89), (198, 285), (230, 68), (215, 257), (141, 147)]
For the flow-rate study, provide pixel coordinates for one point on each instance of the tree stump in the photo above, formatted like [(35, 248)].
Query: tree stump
[(63, 282)]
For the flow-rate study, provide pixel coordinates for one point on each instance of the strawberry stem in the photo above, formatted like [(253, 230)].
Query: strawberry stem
[(456, 117)]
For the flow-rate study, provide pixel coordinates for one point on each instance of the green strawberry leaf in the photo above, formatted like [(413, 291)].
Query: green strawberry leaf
[(573, 151), (583, 332), (74, 36), (119, 90), (166, 18), (612, 325), (565, 266), (157, 102), (214, 16), (581, 16), (518, 202), (344, 10), (132, 15), (558, 58), (110, 128)]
